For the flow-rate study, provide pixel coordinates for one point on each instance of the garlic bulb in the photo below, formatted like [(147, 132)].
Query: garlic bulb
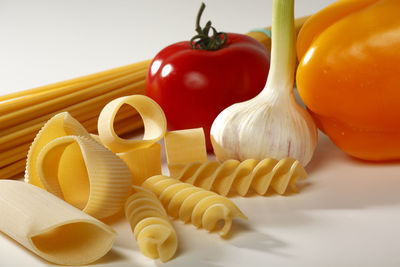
[(272, 124)]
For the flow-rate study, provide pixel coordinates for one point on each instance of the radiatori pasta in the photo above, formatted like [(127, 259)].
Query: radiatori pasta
[(85, 174), (62, 124), (65, 160), (241, 176), (189, 203), (150, 224)]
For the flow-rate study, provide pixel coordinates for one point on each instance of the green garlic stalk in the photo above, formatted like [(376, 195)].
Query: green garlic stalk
[(272, 124)]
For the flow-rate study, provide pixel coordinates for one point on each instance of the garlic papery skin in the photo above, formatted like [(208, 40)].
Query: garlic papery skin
[(266, 126), (273, 124)]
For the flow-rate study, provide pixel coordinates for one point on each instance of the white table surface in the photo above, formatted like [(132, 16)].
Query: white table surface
[(348, 211)]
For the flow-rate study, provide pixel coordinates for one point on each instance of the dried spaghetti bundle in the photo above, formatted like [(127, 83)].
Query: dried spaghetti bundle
[(24, 113)]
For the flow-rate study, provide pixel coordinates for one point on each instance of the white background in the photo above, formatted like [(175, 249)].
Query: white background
[(348, 211)]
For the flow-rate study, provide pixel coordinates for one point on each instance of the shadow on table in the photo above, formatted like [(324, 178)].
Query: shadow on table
[(339, 181)]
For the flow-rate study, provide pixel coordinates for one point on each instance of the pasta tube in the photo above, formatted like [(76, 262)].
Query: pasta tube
[(185, 146), (50, 227)]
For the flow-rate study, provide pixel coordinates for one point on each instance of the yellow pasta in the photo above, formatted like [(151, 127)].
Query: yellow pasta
[(155, 123), (12, 156), (23, 114), (143, 162), (50, 227), (86, 109), (60, 91), (124, 124), (150, 224), (11, 170), (142, 156), (65, 160), (83, 111), (55, 86), (185, 146), (201, 207), (62, 124), (241, 176), (53, 105), (22, 136), (85, 174)]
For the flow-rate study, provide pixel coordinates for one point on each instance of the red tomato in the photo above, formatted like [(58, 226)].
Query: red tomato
[(193, 86)]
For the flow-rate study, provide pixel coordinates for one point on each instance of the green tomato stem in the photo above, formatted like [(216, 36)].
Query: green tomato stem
[(202, 40), (283, 52)]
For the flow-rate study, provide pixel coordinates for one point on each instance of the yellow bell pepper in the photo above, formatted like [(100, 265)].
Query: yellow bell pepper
[(349, 75)]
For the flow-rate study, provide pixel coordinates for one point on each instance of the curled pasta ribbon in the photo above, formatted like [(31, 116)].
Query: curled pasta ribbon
[(155, 123), (150, 224), (50, 227), (62, 124), (85, 174), (241, 176), (193, 204), (143, 157)]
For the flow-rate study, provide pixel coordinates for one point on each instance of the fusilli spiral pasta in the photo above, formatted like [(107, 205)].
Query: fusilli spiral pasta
[(240, 176), (193, 204), (150, 225)]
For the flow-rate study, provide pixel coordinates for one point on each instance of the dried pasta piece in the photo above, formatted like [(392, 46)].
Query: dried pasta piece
[(150, 224), (143, 157), (143, 162), (62, 124), (50, 227), (155, 123), (241, 176), (185, 146), (193, 204), (85, 174)]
